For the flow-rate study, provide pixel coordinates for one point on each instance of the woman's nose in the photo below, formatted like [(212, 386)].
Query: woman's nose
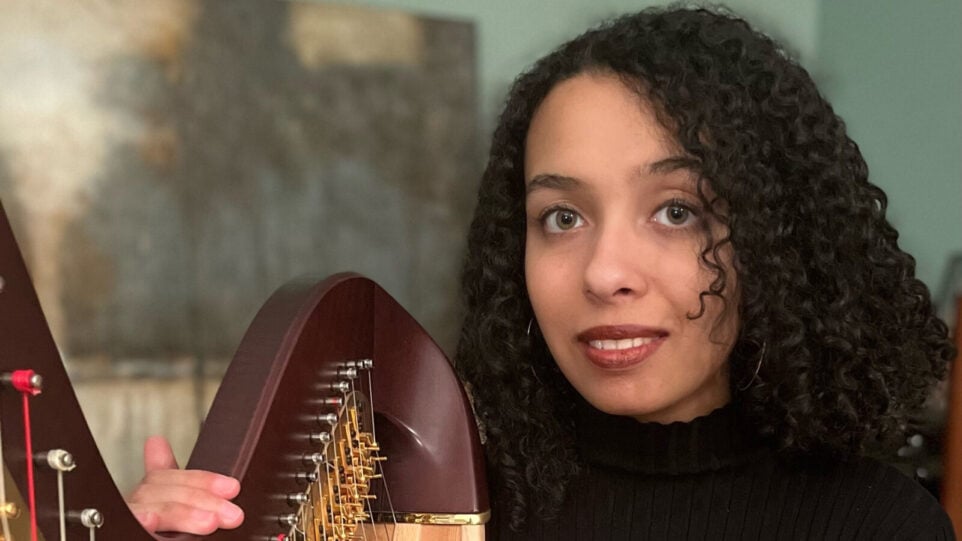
[(615, 269)]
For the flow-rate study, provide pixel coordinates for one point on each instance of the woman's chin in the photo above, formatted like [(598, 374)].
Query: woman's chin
[(613, 405), (653, 412)]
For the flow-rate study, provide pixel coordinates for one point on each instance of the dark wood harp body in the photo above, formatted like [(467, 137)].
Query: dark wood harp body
[(264, 424)]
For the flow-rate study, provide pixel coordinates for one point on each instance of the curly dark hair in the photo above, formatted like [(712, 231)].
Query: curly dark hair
[(849, 341)]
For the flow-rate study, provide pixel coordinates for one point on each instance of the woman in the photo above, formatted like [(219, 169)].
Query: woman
[(687, 315)]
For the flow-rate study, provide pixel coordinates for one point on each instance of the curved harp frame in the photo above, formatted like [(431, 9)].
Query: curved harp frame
[(292, 368)]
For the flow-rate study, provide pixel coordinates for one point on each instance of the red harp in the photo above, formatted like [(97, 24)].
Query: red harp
[(339, 415)]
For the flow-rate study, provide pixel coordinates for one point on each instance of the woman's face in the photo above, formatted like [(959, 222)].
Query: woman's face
[(614, 233)]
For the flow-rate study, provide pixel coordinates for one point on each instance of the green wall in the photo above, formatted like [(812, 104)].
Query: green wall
[(512, 34), (893, 70)]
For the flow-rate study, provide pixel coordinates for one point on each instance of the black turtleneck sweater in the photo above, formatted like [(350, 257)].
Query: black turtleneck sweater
[(711, 479)]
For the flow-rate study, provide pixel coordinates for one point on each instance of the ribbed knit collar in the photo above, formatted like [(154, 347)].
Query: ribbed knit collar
[(716, 441)]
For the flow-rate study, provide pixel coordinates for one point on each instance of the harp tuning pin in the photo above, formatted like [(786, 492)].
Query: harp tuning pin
[(360, 364), (90, 518), (333, 401), (25, 381), (307, 477), (289, 519), (347, 372), (322, 438), (329, 419), (56, 459), (342, 386), (297, 498), (313, 459), (10, 509)]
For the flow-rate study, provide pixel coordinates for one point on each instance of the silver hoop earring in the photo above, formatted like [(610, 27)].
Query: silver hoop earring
[(535, 374), (758, 367), (530, 322)]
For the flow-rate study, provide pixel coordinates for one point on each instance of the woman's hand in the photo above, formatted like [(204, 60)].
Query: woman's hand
[(169, 499)]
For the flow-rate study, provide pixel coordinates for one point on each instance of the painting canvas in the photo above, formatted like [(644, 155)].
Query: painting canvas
[(169, 164)]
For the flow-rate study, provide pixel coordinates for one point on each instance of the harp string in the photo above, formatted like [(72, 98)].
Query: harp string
[(3, 493), (378, 465), (61, 513), (337, 502)]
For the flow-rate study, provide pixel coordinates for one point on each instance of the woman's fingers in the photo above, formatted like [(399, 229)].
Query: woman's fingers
[(158, 455), (214, 483), (174, 516), (190, 501), (162, 507)]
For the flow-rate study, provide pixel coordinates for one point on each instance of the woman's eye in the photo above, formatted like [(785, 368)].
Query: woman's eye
[(559, 220), (675, 214)]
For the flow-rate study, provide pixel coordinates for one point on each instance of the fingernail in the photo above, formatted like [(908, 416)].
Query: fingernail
[(230, 512), (226, 486)]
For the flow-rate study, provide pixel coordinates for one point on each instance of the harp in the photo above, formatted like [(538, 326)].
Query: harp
[(339, 415)]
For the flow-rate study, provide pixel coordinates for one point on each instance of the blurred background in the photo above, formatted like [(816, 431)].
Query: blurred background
[(168, 164)]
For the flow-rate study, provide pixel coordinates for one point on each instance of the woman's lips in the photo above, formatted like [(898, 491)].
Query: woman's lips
[(620, 347)]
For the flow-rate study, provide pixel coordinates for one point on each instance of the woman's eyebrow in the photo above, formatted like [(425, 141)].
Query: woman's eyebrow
[(554, 181), (551, 181), (670, 165)]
